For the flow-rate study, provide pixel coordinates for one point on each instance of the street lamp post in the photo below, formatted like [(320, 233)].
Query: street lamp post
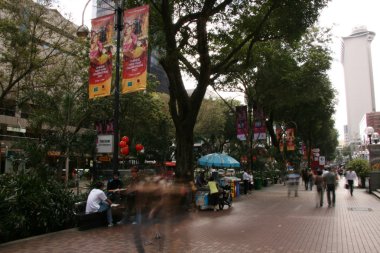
[(375, 137), (83, 31), (369, 132)]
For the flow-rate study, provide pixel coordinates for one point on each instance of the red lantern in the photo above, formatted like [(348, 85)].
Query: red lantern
[(139, 147), (126, 139), (125, 150), (122, 144)]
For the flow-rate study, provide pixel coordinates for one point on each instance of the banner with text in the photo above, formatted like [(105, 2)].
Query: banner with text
[(101, 49), (259, 128), (241, 122), (135, 49)]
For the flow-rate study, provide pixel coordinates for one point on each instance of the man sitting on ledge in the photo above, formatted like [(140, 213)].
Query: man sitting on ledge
[(97, 201)]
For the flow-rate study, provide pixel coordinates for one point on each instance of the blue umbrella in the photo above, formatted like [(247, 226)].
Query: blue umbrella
[(218, 160)]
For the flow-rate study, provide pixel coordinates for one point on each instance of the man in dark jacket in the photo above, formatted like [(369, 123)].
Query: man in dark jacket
[(114, 186)]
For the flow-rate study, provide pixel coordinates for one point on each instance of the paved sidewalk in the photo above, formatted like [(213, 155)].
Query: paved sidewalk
[(264, 221)]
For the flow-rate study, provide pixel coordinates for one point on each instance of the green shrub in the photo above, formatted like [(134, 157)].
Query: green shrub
[(31, 205), (360, 166)]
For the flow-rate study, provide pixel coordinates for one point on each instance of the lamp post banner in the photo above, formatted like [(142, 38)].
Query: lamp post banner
[(241, 122), (259, 128), (101, 48), (290, 144), (135, 49)]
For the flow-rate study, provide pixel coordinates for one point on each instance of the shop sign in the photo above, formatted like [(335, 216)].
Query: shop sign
[(104, 158), (104, 143)]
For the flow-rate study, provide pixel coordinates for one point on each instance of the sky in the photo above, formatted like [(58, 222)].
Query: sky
[(341, 15)]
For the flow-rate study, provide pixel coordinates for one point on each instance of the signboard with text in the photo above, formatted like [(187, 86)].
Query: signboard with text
[(104, 144)]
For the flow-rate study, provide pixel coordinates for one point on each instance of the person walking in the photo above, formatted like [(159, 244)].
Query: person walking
[(311, 179), (320, 188), (350, 177), (329, 179), (305, 178), (293, 182), (131, 198)]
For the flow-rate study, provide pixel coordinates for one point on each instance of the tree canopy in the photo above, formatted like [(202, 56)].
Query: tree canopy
[(206, 38)]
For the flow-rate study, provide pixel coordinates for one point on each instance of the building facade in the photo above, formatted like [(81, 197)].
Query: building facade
[(52, 36), (358, 76)]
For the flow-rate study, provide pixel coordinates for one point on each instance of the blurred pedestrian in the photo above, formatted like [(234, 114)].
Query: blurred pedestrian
[(330, 181), (132, 209), (320, 188), (293, 182), (311, 179), (350, 177), (305, 178)]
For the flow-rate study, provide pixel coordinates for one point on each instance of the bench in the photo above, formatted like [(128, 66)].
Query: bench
[(91, 220)]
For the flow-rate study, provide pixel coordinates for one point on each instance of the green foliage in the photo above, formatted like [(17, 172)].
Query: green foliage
[(360, 166), (30, 205)]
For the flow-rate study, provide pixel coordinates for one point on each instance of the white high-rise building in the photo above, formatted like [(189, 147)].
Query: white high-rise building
[(357, 64)]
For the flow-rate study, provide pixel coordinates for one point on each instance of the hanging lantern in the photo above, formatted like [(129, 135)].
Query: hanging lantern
[(139, 147), (126, 139), (124, 150), (122, 144)]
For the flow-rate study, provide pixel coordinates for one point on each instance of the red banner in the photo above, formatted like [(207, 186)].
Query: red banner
[(290, 139), (280, 138), (101, 48), (259, 128), (241, 122), (135, 49)]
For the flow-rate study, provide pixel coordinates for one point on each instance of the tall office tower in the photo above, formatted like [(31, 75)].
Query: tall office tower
[(357, 65)]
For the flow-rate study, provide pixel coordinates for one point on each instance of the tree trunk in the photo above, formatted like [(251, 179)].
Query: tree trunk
[(184, 154)]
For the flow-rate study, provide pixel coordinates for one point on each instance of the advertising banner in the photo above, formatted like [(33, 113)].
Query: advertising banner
[(135, 49), (101, 49), (259, 128), (290, 139), (104, 127), (241, 122)]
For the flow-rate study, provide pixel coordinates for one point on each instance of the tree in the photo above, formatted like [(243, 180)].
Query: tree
[(361, 167), (32, 38), (289, 81), (205, 38)]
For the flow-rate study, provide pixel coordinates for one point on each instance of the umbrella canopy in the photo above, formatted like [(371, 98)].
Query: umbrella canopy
[(218, 160)]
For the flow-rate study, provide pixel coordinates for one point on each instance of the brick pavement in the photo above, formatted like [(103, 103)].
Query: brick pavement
[(264, 221)]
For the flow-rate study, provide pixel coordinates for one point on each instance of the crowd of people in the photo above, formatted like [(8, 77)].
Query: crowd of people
[(325, 181), (149, 199)]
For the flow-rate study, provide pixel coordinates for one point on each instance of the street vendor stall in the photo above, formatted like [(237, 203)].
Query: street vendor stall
[(234, 183), (221, 161)]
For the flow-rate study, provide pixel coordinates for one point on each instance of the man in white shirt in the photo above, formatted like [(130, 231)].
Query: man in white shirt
[(350, 177), (246, 179), (97, 201)]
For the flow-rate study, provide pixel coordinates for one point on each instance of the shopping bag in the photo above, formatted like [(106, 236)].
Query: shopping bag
[(346, 186)]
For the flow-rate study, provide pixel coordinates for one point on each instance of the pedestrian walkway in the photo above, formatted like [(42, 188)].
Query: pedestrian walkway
[(264, 221)]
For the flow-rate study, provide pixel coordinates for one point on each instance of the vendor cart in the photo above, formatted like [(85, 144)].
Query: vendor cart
[(201, 198)]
